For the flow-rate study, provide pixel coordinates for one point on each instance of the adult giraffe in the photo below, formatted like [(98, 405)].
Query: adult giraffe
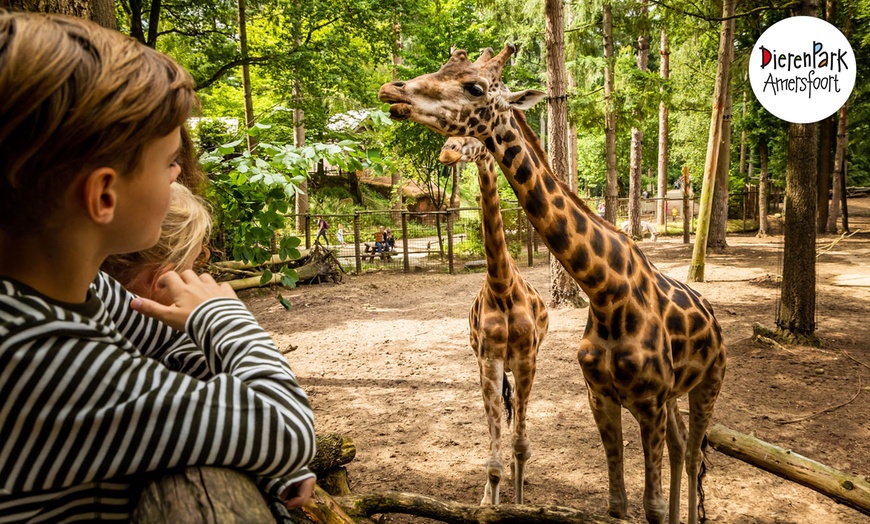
[(649, 338), (508, 322)]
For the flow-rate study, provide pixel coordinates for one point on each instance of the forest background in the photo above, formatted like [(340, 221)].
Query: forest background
[(304, 77)]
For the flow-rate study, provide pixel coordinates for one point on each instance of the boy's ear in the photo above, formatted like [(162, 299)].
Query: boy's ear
[(101, 197)]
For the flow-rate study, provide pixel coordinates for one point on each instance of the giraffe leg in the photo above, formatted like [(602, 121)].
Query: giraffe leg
[(701, 400), (608, 418), (491, 381), (653, 425), (524, 376), (676, 441)]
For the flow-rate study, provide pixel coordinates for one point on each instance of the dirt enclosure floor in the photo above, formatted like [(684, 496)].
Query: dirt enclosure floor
[(385, 358)]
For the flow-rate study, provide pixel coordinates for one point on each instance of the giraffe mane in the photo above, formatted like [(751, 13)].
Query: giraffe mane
[(535, 143)]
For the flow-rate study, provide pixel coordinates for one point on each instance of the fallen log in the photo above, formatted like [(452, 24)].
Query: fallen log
[(323, 509), (333, 450), (334, 481), (306, 272), (844, 488), (201, 495), (276, 259), (456, 513)]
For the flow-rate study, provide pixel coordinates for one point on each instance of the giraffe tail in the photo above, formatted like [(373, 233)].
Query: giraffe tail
[(507, 398), (702, 472)]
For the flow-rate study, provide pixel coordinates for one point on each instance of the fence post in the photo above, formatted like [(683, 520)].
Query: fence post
[(686, 210), (744, 210), (407, 261), (530, 233), (307, 231), (450, 240), (356, 238)]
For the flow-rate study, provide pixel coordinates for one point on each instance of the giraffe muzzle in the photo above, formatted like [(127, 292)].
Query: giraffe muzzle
[(400, 111)]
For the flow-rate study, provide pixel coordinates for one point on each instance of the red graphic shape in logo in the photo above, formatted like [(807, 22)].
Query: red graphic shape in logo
[(765, 57)]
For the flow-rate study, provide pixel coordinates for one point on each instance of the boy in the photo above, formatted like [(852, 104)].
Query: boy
[(95, 393)]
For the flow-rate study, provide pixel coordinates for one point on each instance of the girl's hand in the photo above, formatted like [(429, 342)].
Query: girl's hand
[(186, 291)]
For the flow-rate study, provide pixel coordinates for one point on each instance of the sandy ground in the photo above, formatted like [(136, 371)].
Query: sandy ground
[(385, 358)]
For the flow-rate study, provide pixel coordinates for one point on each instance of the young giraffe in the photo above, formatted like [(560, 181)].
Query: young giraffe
[(649, 338), (508, 322)]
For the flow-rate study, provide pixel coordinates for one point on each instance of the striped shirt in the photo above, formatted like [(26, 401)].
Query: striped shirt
[(94, 395)]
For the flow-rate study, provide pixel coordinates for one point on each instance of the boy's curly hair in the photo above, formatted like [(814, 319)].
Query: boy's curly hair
[(75, 97)]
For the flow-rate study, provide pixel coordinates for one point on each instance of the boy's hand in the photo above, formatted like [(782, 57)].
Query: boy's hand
[(298, 494), (186, 291)]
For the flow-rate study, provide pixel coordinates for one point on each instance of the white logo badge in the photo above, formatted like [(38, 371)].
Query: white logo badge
[(802, 69)]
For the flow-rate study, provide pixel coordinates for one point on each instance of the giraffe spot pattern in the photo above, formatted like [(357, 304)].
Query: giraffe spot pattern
[(557, 235), (579, 221), (681, 299), (509, 155), (597, 242), (489, 143), (524, 172), (675, 323), (536, 204), (579, 259), (510, 136), (550, 183), (559, 202), (632, 320), (616, 258), (616, 323), (595, 276)]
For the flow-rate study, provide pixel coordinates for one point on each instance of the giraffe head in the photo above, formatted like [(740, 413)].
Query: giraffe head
[(463, 98), (462, 149)]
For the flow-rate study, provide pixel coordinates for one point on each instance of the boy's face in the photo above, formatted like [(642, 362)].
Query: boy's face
[(143, 196)]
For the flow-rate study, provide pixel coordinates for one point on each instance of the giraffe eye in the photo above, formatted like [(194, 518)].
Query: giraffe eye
[(474, 89)]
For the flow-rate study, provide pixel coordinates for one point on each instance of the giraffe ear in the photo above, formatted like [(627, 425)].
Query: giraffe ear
[(523, 100)]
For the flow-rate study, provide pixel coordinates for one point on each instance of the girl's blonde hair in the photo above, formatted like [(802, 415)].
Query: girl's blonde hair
[(185, 229)]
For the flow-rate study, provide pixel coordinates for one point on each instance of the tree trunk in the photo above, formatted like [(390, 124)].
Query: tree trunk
[(611, 200), (565, 290), (717, 240), (844, 488), (661, 204), (201, 494), (99, 11), (456, 513), (826, 131), (246, 74), (743, 138), (796, 316), (837, 183), (103, 13), (635, 177), (396, 176), (726, 51), (299, 141), (763, 226), (826, 143)]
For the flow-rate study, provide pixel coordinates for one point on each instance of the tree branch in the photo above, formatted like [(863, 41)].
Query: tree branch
[(195, 33), (706, 18), (229, 65), (318, 28)]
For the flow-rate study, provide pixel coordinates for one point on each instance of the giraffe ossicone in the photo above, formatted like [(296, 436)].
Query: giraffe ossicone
[(649, 338)]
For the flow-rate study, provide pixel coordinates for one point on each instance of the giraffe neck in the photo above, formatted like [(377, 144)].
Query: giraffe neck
[(499, 264), (590, 249)]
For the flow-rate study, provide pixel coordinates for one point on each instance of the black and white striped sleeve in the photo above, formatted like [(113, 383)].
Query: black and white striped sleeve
[(151, 337), (81, 404)]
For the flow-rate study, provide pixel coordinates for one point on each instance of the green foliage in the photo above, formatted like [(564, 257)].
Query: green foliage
[(251, 192)]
